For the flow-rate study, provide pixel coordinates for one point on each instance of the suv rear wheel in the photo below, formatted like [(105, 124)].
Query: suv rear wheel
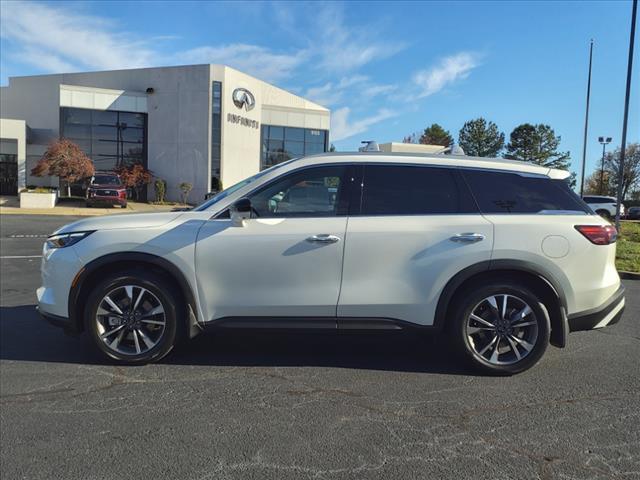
[(131, 317), (501, 328)]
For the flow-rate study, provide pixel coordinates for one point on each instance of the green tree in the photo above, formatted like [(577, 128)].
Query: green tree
[(537, 144), (481, 139), (436, 135)]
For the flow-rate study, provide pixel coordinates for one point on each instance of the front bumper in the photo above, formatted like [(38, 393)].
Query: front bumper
[(609, 313), (110, 200), (61, 322)]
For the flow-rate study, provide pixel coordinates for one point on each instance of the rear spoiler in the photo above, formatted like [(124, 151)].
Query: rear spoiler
[(558, 174)]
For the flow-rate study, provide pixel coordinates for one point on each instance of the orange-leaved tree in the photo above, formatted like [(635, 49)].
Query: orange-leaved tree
[(135, 177), (66, 160)]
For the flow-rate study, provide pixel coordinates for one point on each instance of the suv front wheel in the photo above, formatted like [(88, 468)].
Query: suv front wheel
[(501, 328), (131, 317)]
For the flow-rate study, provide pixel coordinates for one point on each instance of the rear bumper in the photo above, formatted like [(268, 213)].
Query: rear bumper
[(609, 313)]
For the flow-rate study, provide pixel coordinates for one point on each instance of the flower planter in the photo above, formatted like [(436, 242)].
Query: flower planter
[(38, 199)]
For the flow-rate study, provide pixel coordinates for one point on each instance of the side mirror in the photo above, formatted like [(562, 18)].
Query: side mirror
[(240, 211)]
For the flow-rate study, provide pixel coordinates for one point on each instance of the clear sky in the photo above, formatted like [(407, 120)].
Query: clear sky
[(386, 69)]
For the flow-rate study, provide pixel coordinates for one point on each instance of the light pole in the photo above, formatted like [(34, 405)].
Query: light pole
[(604, 141), (586, 120), (623, 147)]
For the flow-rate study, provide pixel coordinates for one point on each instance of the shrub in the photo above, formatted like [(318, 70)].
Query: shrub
[(160, 186), (216, 185), (185, 188)]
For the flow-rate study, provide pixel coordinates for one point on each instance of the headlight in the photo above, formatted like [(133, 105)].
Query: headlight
[(66, 239)]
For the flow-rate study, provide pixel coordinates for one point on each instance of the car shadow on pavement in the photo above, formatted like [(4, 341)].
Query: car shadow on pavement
[(24, 336)]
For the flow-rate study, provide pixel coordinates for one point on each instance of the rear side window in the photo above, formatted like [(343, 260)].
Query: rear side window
[(414, 190), (503, 192)]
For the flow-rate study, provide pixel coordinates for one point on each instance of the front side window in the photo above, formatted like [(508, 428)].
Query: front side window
[(311, 192), (505, 192), (414, 190)]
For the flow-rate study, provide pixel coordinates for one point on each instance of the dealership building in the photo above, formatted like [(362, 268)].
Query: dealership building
[(196, 124)]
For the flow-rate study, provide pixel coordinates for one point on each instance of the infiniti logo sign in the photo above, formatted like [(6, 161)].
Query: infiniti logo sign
[(243, 98)]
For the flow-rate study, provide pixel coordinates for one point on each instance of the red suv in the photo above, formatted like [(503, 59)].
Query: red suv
[(106, 187)]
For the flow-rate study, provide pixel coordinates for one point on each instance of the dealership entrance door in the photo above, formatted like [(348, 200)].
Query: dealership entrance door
[(8, 173)]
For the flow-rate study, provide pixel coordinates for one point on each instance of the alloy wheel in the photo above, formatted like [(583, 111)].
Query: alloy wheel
[(130, 320), (502, 329)]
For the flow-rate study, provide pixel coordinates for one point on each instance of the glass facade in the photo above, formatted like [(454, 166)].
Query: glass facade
[(110, 138), (279, 144), (216, 133)]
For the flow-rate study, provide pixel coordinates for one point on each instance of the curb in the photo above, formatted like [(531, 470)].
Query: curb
[(629, 275), (57, 214), (78, 212)]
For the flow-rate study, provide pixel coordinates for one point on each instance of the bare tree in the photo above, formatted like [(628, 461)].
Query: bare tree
[(631, 173)]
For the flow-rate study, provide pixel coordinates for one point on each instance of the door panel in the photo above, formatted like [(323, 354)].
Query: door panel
[(285, 262), (396, 266), (268, 268)]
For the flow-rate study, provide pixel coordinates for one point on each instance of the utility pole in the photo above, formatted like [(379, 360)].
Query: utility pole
[(586, 120), (603, 141), (632, 36)]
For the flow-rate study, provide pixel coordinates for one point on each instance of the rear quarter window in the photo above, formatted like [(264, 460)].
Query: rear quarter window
[(506, 192)]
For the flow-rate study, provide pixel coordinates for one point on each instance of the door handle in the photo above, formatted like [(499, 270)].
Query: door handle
[(467, 237), (323, 238)]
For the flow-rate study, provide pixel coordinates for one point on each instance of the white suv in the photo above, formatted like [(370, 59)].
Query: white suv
[(500, 255), (603, 206)]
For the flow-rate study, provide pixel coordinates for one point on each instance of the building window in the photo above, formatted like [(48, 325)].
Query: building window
[(279, 144), (216, 129), (110, 138)]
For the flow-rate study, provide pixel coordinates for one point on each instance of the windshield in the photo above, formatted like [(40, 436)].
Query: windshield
[(228, 191), (106, 180)]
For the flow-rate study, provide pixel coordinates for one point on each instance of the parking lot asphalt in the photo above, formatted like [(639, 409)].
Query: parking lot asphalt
[(286, 406)]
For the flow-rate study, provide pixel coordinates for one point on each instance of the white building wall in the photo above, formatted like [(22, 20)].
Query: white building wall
[(241, 148)]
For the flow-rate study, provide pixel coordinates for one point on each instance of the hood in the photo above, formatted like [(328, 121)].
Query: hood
[(118, 221)]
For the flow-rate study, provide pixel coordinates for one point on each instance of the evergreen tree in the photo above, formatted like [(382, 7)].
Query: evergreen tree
[(537, 144), (436, 135), (481, 139)]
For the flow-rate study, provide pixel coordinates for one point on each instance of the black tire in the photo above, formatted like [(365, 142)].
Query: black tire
[(124, 205), (604, 214), (471, 300), (161, 291)]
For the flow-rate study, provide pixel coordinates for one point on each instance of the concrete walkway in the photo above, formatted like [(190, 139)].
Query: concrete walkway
[(11, 205)]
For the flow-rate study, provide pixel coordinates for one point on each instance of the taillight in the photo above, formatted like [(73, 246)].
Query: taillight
[(599, 234)]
